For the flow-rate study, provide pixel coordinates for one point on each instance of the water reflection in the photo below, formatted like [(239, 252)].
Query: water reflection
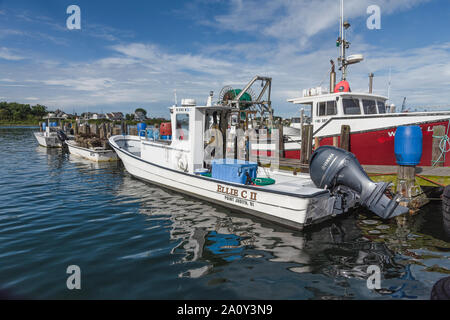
[(216, 236)]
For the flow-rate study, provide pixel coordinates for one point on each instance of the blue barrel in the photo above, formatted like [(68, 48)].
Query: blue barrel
[(150, 133), (408, 145), (141, 127)]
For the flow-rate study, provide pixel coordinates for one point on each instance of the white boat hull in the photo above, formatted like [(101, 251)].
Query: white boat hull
[(48, 142), (287, 208), (90, 154)]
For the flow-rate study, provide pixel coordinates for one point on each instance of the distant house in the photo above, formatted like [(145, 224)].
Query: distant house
[(98, 116), (114, 116), (139, 116)]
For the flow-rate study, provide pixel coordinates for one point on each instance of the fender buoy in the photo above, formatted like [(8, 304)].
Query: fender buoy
[(342, 86)]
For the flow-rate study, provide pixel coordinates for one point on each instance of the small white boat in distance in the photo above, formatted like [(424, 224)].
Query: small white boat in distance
[(180, 165), (51, 134), (98, 154)]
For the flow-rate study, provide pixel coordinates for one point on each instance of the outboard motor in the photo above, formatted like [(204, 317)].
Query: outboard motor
[(333, 168), (61, 136)]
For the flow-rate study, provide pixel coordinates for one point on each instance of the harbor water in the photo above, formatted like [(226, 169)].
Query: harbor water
[(134, 240)]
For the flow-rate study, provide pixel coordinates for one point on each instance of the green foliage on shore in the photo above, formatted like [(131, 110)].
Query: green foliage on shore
[(17, 113)]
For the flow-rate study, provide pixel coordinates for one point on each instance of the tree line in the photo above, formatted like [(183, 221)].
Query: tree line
[(17, 112)]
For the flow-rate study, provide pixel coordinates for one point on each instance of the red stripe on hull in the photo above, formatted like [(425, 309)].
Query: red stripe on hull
[(377, 147)]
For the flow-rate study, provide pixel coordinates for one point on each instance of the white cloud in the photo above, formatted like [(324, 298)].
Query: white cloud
[(298, 19), (9, 54)]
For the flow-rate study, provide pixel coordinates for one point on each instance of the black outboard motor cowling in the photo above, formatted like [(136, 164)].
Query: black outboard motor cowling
[(331, 167), (61, 136)]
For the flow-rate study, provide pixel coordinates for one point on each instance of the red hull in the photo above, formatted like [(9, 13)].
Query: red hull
[(377, 147)]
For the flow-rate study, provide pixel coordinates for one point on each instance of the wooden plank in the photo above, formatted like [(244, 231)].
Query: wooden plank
[(437, 159)]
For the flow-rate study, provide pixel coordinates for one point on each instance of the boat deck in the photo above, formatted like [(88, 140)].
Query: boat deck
[(287, 182)]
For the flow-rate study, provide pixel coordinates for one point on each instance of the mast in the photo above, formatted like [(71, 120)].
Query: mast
[(342, 43), (342, 36)]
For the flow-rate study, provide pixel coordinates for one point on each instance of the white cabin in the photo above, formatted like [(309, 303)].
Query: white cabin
[(185, 152), (343, 104)]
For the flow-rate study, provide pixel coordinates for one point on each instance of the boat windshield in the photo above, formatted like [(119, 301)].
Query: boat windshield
[(351, 106), (370, 107), (381, 107), (182, 127)]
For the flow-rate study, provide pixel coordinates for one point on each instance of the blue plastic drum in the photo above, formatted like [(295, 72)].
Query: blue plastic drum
[(408, 145), (141, 127)]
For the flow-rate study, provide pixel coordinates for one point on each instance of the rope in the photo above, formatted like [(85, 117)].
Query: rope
[(417, 175), (429, 180), (444, 146)]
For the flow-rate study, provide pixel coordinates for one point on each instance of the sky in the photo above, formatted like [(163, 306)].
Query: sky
[(135, 53)]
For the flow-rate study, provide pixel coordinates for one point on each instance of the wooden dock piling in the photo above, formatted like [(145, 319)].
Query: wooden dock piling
[(306, 148), (345, 138), (410, 189)]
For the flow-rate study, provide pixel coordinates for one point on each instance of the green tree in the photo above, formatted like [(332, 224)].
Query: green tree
[(5, 114), (39, 110)]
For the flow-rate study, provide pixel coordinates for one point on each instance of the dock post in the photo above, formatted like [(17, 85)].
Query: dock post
[(409, 189), (335, 141), (306, 149), (345, 137), (316, 143), (281, 140), (408, 152), (102, 131), (437, 159), (96, 132)]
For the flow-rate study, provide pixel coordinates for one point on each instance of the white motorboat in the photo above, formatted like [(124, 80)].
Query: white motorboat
[(292, 200), (51, 134), (98, 154)]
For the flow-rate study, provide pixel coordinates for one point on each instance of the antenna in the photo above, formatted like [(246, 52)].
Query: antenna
[(389, 84), (175, 97), (344, 45)]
